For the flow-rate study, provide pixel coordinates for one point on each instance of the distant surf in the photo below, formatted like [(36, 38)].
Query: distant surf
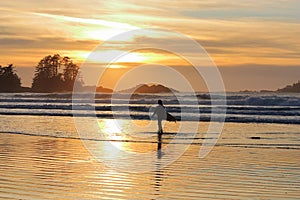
[(244, 108)]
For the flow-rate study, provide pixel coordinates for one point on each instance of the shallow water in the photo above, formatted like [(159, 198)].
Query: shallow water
[(45, 158)]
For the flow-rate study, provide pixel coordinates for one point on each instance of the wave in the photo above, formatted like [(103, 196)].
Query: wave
[(200, 118), (268, 101), (246, 108), (275, 111), (276, 100)]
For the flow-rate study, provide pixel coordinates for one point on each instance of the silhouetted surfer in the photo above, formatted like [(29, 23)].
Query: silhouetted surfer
[(161, 113)]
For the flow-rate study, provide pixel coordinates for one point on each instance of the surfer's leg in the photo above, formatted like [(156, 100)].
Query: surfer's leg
[(159, 125)]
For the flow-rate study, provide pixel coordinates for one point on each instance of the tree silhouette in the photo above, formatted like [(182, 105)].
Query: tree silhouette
[(55, 74), (70, 72), (291, 88), (9, 80)]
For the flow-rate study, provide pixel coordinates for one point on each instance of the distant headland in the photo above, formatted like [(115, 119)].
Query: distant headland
[(295, 88), (149, 89)]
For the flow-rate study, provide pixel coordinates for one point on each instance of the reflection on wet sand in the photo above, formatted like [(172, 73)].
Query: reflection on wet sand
[(58, 165), (159, 171), (48, 168)]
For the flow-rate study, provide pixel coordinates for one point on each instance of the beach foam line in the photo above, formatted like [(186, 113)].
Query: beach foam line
[(250, 111), (236, 145), (76, 138), (241, 119)]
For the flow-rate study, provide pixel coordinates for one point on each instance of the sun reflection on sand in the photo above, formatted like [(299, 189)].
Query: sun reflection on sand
[(119, 133), (113, 133), (111, 127)]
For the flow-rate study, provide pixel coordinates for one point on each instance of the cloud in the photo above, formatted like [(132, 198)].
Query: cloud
[(48, 43), (226, 29), (242, 43)]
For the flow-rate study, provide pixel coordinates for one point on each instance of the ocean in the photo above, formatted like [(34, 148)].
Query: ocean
[(56, 147), (239, 107)]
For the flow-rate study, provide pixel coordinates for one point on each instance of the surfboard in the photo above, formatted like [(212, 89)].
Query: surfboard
[(170, 118)]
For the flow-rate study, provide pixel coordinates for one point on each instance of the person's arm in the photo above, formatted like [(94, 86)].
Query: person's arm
[(154, 113)]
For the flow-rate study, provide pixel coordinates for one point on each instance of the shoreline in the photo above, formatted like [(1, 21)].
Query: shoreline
[(166, 141)]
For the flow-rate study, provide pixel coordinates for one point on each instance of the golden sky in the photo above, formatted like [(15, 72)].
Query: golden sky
[(241, 35)]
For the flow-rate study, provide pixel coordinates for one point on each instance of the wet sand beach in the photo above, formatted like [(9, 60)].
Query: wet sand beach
[(45, 167)]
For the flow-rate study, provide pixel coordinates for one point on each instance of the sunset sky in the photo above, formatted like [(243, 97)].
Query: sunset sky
[(255, 44)]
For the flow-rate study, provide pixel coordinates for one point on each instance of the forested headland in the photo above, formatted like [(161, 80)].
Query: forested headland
[(52, 74)]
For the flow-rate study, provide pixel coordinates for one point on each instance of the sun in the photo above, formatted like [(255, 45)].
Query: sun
[(106, 34), (113, 57)]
